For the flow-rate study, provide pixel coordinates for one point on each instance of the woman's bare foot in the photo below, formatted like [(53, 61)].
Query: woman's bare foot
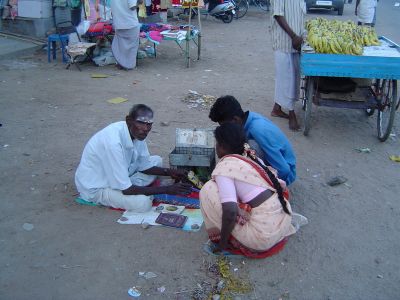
[(277, 112), (293, 124)]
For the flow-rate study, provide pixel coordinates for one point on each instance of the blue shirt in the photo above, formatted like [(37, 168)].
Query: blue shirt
[(275, 146)]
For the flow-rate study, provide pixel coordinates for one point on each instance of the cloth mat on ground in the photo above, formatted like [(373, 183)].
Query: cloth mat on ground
[(194, 216), (190, 201), (84, 202)]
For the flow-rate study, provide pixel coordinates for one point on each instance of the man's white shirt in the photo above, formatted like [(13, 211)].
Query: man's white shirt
[(109, 159)]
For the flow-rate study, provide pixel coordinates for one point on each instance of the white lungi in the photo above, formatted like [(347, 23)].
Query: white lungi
[(287, 78), (366, 11), (137, 203), (125, 46)]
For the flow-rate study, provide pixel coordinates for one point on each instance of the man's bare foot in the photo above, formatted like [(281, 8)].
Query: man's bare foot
[(277, 112), (293, 124)]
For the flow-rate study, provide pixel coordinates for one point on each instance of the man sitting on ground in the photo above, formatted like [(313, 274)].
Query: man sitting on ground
[(270, 143), (116, 168)]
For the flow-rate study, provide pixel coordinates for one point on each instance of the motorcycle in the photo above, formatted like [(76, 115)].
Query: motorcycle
[(220, 9)]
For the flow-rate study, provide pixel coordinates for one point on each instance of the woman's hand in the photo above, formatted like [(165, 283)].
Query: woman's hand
[(242, 217)]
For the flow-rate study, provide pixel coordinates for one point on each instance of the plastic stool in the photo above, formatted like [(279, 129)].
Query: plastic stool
[(52, 40)]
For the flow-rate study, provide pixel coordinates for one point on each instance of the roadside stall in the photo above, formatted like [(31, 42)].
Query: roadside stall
[(347, 66), (155, 33)]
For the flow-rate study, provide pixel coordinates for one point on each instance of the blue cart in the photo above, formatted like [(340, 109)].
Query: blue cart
[(381, 65)]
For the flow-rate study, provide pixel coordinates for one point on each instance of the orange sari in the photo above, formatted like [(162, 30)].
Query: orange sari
[(267, 226)]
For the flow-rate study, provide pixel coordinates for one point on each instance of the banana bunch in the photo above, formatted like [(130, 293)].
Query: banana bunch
[(338, 37)]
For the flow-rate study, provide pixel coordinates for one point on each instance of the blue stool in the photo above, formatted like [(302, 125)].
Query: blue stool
[(52, 40)]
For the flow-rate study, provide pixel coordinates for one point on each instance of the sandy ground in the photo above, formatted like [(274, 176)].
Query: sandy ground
[(349, 250)]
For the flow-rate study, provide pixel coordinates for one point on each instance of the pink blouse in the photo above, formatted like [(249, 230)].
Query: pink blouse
[(230, 190)]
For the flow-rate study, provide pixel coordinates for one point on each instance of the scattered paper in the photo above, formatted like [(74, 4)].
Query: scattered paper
[(129, 217), (117, 100), (193, 222), (395, 158), (364, 150), (98, 75), (28, 226), (161, 289), (134, 292), (196, 100), (148, 275)]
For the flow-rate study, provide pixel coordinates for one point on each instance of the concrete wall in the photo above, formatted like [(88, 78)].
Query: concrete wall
[(35, 19)]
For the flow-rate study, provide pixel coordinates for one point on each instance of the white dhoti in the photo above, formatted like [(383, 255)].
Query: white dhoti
[(366, 11), (287, 78), (125, 46), (137, 203)]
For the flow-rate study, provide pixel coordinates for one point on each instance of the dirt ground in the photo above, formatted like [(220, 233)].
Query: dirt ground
[(349, 250)]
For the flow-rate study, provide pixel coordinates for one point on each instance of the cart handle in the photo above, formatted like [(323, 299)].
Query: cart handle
[(389, 41)]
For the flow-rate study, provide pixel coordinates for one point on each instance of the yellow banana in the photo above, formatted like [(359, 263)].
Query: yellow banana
[(334, 36)]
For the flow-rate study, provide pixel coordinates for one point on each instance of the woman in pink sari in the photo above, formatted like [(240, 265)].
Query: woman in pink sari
[(245, 206)]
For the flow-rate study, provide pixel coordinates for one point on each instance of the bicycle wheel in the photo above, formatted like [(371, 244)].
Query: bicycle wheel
[(263, 4), (387, 108), (241, 8)]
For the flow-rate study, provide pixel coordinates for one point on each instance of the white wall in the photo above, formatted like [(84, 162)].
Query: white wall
[(35, 8)]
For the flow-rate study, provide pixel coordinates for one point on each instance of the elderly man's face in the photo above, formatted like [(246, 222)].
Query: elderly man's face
[(140, 126)]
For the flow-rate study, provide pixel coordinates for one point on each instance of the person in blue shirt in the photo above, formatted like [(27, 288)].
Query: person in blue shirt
[(265, 137)]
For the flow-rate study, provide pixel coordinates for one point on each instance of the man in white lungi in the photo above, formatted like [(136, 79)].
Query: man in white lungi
[(116, 168), (127, 28), (287, 29), (366, 12)]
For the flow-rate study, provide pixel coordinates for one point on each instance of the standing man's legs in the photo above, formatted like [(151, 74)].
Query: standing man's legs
[(374, 19), (287, 83)]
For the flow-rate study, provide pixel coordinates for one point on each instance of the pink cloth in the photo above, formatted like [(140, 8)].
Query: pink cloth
[(230, 190), (155, 36)]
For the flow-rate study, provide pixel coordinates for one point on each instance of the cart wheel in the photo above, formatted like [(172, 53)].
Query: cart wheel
[(387, 108), (307, 103)]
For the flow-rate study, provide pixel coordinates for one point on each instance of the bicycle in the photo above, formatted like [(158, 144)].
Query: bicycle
[(241, 7), (263, 4)]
